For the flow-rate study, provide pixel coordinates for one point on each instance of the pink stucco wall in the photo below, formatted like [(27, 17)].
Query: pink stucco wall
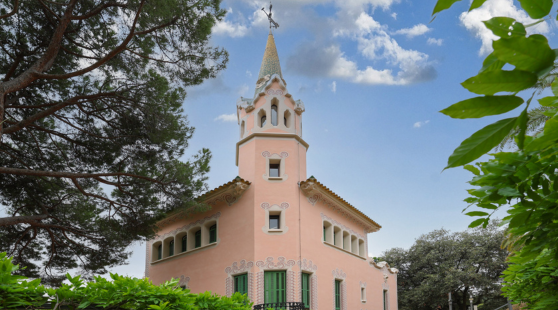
[(244, 245)]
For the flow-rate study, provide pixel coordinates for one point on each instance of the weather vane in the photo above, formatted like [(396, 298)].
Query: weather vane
[(272, 23)]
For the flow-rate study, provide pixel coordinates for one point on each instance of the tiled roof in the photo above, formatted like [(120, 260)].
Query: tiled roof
[(225, 186), (341, 200)]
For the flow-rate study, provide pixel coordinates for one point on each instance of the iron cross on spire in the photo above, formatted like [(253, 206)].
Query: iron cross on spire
[(272, 23)]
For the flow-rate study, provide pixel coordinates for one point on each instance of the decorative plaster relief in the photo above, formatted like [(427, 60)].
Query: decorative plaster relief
[(268, 154), (335, 223), (186, 227), (314, 281), (338, 274), (183, 282), (281, 264), (274, 92), (268, 264), (267, 206), (307, 265), (231, 195), (384, 266), (236, 269)]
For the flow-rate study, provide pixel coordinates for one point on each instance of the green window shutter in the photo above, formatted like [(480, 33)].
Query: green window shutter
[(160, 251), (385, 302), (198, 239), (337, 295), (306, 289), (274, 286), (184, 243), (241, 284), (171, 248), (213, 234)]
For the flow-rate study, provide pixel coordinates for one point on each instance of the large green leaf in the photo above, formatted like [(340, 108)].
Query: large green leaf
[(482, 106), (554, 87), (547, 138), (551, 101), (491, 62), (493, 81), (481, 142), (476, 4), (505, 27), (529, 54), (443, 5), (536, 8), (522, 123)]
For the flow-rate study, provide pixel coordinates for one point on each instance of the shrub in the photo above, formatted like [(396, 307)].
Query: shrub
[(120, 293)]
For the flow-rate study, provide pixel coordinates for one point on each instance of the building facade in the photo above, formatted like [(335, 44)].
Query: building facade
[(273, 233)]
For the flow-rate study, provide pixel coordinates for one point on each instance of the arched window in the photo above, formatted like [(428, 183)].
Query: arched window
[(263, 119), (213, 233), (171, 248), (274, 115), (198, 240), (242, 130), (160, 251), (184, 243)]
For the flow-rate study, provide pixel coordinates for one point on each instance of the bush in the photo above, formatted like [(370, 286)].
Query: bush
[(120, 293)]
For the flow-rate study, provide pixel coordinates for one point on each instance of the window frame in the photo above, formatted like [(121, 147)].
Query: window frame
[(276, 165), (160, 251), (275, 286), (198, 239), (305, 286), (274, 115), (171, 247), (337, 294), (184, 243), (275, 217), (243, 280)]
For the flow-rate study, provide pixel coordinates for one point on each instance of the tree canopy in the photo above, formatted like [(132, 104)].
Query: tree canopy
[(465, 264), (523, 181), (90, 102)]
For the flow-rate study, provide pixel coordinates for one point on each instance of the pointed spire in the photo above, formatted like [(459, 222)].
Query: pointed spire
[(270, 62)]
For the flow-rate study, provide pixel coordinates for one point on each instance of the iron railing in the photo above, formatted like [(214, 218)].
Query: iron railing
[(281, 306)]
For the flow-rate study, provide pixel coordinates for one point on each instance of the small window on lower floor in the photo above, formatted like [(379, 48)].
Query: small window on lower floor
[(385, 300), (241, 284), (274, 221), (306, 290), (213, 233), (337, 295)]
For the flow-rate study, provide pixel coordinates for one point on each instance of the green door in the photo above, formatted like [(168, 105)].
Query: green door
[(241, 284), (337, 295), (275, 283)]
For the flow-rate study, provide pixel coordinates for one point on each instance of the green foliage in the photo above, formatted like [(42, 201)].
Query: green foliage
[(441, 262), (523, 181), (118, 293), (534, 282), (93, 136)]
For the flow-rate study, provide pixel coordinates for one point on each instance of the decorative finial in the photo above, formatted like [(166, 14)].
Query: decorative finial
[(272, 23)]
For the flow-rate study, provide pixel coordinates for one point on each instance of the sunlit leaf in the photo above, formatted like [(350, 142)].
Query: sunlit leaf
[(529, 54), (476, 223), (473, 169), (491, 62), (536, 8), (505, 27), (443, 5), (476, 4), (476, 213), (481, 142), (482, 106), (494, 81)]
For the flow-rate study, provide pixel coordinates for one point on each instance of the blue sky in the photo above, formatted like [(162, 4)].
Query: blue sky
[(373, 75)]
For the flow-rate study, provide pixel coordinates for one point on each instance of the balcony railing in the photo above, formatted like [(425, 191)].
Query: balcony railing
[(281, 306)]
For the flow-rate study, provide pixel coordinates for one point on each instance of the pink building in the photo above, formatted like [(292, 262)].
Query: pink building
[(273, 233)]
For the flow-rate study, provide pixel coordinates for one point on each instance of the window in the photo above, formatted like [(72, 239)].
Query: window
[(274, 284), (385, 300), (263, 120), (287, 118), (324, 233), (171, 248), (274, 221), (285, 121), (160, 251), (274, 170), (363, 294), (274, 115), (337, 236), (241, 284), (242, 130), (184, 243), (197, 239), (306, 290), (213, 233), (337, 295)]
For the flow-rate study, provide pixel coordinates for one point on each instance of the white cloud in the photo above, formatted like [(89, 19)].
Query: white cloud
[(248, 73), (420, 124), (491, 8), (333, 87), (416, 30), (432, 41), (226, 118), (242, 90), (230, 29), (394, 15)]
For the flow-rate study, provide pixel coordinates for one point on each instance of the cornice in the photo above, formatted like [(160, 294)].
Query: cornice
[(269, 135), (315, 191)]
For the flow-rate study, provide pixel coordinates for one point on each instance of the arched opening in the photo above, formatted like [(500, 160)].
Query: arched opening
[(354, 245), (337, 236), (184, 243), (195, 240), (346, 241), (157, 251), (262, 119), (210, 232), (328, 232), (287, 118), (168, 247), (242, 126), (171, 248), (181, 242), (361, 247), (274, 113)]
